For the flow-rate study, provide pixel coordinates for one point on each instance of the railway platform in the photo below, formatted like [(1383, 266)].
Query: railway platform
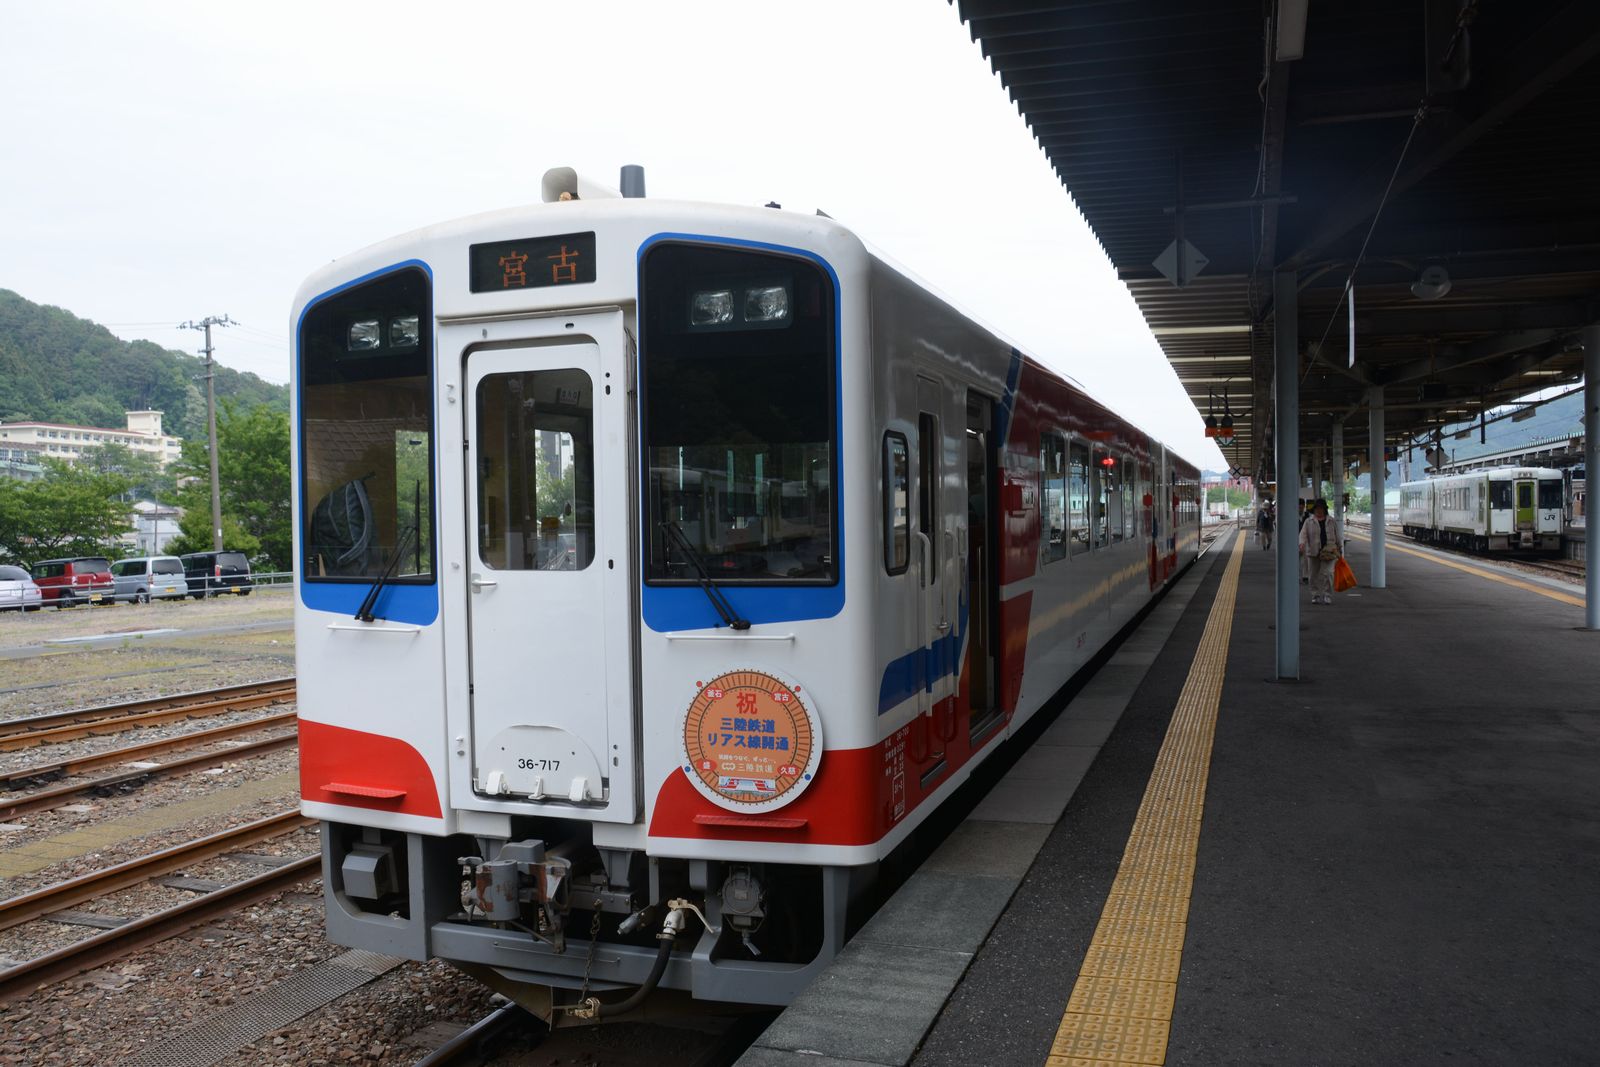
[(1393, 860)]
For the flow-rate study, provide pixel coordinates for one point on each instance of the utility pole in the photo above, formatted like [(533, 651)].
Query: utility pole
[(211, 419)]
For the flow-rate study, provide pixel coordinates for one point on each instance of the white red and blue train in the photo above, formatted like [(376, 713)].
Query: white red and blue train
[(661, 566)]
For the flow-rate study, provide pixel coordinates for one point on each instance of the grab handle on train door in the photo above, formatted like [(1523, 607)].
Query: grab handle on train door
[(930, 582), (480, 582)]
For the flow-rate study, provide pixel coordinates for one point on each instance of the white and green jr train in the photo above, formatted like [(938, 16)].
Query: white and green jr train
[(1503, 509)]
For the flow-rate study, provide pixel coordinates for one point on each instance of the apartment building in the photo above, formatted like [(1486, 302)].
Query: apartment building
[(143, 434)]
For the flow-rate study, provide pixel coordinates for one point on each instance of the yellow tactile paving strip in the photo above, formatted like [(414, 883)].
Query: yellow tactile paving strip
[(1120, 1010), (1553, 594), (40, 854)]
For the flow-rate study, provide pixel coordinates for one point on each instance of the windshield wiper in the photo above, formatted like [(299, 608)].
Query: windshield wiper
[(364, 612), (713, 594)]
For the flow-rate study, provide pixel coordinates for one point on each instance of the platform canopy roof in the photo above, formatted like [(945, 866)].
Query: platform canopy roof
[(1387, 139)]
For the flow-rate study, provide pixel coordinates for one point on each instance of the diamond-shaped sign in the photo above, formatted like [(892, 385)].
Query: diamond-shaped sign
[(1194, 261)]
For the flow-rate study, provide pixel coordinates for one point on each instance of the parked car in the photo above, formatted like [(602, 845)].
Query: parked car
[(215, 573), (138, 580), (79, 580), (18, 590)]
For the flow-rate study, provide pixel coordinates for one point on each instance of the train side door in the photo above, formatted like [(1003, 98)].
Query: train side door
[(935, 624), (547, 545), (983, 558)]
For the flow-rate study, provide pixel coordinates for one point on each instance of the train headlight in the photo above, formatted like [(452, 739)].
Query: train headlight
[(768, 304), (366, 334), (403, 332), (712, 307)]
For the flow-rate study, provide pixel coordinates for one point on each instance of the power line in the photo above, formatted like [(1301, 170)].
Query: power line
[(1350, 280)]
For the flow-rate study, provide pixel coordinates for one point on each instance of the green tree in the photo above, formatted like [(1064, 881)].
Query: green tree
[(253, 476), (194, 533), (1236, 498), (146, 479), (71, 511)]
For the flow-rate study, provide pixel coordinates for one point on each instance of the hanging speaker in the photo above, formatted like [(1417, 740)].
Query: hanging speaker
[(1432, 284)]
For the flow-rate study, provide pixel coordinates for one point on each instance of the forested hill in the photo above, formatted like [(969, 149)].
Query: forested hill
[(56, 367)]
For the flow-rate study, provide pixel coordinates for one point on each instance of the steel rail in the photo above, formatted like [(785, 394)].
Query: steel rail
[(130, 937), (41, 772), (30, 906), (71, 725), (46, 799), (467, 1041), (1572, 569), (132, 707)]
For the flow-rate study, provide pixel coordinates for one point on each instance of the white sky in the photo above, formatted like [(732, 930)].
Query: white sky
[(169, 161)]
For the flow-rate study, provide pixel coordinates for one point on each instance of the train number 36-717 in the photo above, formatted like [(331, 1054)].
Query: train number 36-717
[(538, 764)]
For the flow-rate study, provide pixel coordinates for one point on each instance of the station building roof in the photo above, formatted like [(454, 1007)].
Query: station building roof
[(1407, 135)]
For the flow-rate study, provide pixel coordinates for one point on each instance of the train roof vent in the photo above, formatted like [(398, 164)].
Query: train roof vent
[(564, 183)]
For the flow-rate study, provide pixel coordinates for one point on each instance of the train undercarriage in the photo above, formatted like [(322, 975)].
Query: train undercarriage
[(576, 933)]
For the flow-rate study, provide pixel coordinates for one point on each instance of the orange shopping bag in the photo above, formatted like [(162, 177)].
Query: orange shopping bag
[(1343, 577)]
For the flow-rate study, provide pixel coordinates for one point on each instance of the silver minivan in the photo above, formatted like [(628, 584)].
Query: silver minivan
[(138, 580)]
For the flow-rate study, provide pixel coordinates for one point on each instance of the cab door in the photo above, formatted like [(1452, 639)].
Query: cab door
[(547, 545)]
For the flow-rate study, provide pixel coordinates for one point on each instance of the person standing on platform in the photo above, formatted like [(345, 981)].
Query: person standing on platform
[(1264, 524), (1302, 510), (1320, 543)]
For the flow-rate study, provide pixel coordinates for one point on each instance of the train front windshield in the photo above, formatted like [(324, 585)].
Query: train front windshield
[(739, 400), (366, 417)]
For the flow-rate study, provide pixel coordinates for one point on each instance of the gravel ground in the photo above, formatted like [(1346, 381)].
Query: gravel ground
[(113, 1013), (36, 938), (34, 628), (155, 795), (23, 758), (378, 1023), (141, 668)]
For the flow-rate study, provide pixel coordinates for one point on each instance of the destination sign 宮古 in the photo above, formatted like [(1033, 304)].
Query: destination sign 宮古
[(532, 263)]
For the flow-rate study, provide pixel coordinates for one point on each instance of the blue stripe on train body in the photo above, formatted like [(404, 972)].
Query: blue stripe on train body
[(922, 668)]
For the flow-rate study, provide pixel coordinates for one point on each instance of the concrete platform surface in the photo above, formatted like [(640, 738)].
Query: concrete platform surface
[(1399, 856)]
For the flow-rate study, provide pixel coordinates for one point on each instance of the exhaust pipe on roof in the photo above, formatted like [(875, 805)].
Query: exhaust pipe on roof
[(632, 181)]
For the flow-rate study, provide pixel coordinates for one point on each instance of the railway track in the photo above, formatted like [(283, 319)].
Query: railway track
[(138, 933), (121, 782), (1572, 570), (113, 718)]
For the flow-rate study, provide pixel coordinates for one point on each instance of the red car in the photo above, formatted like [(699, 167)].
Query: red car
[(80, 580)]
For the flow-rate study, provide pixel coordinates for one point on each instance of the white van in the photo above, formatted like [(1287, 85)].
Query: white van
[(138, 580)]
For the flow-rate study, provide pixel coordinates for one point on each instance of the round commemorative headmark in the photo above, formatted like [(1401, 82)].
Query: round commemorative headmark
[(752, 741)]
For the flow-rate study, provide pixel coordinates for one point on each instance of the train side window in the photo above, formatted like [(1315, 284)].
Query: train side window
[(1077, 499), (1053, 515), (1130, 522), (896, 503), (1101, 495), (1146, 488)]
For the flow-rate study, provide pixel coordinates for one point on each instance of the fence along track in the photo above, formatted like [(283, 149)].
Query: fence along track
[(71, 725)]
